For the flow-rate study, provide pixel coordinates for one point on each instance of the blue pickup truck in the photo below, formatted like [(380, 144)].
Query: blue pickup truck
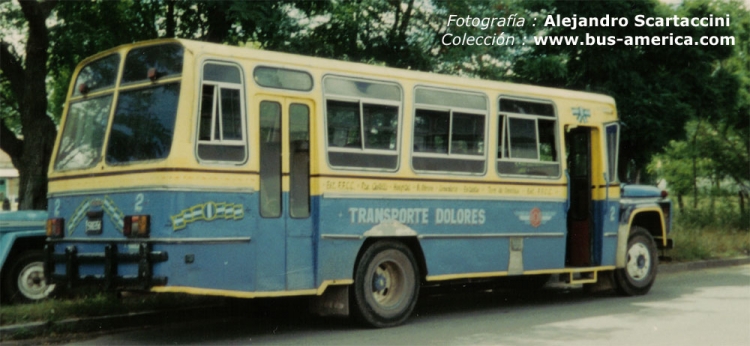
[(22, 237)]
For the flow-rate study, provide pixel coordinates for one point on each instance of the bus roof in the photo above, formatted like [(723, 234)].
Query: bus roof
[(199, 47)]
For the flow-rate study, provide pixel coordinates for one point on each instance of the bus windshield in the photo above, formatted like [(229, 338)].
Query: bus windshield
[(142, 125)]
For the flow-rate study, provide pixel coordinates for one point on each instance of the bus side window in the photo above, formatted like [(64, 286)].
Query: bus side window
[(221, 121), (362, 123), (527, 139), (449, 131), (299, 160), (270, 159)]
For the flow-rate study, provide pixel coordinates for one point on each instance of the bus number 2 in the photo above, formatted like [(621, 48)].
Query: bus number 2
[(138, 202)]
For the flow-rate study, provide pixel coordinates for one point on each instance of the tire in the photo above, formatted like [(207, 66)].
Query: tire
[(386, 285), (642, 260), (25, 282)]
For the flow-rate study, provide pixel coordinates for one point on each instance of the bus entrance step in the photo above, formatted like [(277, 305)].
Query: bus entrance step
[(582, 277)]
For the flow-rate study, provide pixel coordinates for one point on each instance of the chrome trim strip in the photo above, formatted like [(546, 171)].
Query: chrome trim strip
[(339, 195), (611, 234), (41, 224), (341, 236), (153, 240), (494, 235), (181, 188)]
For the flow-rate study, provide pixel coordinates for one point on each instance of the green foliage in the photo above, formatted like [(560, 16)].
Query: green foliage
[(662, 91), (719, 211), (694, 244), (394, 33), (489, 62), (657, 88), (9, 108), (715, 229), (11, 24)]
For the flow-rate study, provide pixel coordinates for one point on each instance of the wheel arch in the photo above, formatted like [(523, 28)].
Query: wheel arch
[(650, 218), (17, 244)]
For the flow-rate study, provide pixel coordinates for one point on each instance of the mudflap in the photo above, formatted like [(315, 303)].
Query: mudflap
[(333, 302)]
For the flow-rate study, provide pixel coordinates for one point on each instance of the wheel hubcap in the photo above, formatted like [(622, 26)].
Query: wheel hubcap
[(639, 262), (387, 284), (31, 283)]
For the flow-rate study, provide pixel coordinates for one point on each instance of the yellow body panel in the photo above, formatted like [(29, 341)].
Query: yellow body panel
[(104, 176)]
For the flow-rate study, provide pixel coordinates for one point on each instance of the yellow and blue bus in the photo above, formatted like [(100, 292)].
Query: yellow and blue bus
[(184, 166)]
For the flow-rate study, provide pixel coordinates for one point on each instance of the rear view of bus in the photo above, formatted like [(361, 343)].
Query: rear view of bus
[(109, 184)]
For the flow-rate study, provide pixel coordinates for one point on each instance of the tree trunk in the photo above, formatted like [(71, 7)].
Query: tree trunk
[(638, 176), (743, 216), (170, 19), (695, 184), (695, 164), (218, 25), (28, 82)]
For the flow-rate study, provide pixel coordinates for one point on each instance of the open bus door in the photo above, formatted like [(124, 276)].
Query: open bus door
[(580, 221), (284, 236), (592, 219)]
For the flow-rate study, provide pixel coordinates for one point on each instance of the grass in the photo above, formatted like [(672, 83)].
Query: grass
[(97, 304), (715, 229), (708, 243)]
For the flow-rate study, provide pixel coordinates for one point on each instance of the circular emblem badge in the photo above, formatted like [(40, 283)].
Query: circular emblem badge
[(535, 217)]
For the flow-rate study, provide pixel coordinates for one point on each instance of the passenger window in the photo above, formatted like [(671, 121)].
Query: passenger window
[(280, 78), (270, 159), (299, 160), (613, 134), (362, 123), (527, 142), (221, 127), (449, 131)]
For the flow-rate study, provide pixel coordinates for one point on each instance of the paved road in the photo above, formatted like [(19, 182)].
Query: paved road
[(707, 307)]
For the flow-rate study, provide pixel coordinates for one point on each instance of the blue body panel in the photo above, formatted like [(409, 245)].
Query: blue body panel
[(226, 245), (476, 242), (19, 224), (640, 191), (606, 221)]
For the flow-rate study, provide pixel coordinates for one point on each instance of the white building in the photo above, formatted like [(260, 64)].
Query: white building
[(8, 181)]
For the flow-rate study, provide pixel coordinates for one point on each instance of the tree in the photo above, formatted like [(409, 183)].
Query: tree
[(391, 32), (716, 146), (657, 87), (83, 28), (25, 77)]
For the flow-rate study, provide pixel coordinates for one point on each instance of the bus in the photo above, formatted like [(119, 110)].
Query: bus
[(184, 166)]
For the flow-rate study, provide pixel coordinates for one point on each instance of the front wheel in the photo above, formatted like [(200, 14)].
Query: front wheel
[(386, 285), (640, 267), (26, 282)]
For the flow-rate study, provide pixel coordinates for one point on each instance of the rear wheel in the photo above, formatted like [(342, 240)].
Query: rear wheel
[(386, 284), (640, 267)]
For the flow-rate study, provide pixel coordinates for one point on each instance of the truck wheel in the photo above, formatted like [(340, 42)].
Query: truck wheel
[(386, 285), (26, 282), (640, 267)]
